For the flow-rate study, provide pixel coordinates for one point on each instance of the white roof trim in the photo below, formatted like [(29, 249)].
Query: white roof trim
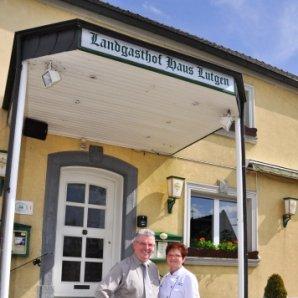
[(276, 170)]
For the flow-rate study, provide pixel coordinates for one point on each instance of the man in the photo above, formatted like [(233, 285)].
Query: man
[(135, 276)]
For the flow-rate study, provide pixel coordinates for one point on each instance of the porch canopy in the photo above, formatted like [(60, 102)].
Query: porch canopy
[(116, 90), (112, 102), (107, 94)]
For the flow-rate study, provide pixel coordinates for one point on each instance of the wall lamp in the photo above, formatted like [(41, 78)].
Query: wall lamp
[(175, 187), (290, 209), (51, 76)]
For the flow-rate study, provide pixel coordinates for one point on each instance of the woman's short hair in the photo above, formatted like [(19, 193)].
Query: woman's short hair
[(179, 246)]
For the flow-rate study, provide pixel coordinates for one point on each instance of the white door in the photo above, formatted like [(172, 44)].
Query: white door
[(88, 234)]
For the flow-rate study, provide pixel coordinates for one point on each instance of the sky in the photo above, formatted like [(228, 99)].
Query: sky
[(263, 29)]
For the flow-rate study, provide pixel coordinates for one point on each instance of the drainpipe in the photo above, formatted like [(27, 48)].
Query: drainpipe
[(242, 293), (10, 195)]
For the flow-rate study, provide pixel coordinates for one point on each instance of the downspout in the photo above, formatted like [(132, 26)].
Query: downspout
[(240, 211), (10, 191), (244, 206), (241, 201)]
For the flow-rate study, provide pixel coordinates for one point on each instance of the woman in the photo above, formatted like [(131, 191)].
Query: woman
[(179, 282)]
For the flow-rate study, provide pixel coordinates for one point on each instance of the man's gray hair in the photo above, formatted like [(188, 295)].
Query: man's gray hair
[(143, 232)]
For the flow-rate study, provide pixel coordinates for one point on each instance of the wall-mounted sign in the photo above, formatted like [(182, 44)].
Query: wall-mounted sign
[(21, 240), (24, 207), (155, 60)]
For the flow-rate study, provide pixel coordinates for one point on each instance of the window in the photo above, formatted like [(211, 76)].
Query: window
[(249, 107), (249, 113), (249, 117), (213, 216), (213, 219)]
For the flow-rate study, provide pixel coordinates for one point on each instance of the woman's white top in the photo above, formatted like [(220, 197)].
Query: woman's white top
[(181, 284)]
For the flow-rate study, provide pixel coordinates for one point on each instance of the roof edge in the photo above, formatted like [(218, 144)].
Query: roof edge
[(25, 44), (139, 21)]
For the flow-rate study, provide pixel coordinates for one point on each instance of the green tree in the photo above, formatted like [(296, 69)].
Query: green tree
[(275, 287)]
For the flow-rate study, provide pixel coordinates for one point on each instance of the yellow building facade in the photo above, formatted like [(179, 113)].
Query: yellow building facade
[(273, 110)]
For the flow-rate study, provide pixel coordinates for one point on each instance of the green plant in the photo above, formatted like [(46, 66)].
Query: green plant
[(202, 243), (205, 244), (227, 246), (275, 287)]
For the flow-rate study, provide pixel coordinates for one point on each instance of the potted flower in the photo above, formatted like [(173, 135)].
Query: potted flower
[(226, 249)]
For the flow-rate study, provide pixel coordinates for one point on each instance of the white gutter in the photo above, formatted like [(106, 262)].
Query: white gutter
[(10, 196), (240, 224), (272, 169)]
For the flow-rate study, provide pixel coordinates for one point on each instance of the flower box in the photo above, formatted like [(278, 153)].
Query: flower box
[(218, 253)]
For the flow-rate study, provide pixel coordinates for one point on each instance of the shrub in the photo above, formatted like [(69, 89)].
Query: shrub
[(275, 287)]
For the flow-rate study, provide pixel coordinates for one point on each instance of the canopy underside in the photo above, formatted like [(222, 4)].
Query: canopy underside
[(112, 102)]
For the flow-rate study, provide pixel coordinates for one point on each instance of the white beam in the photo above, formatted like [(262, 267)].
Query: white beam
[(10, 196)]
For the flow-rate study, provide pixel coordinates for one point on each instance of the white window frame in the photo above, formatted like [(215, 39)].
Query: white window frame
[(250, 105), (211, 191), (250, 122)]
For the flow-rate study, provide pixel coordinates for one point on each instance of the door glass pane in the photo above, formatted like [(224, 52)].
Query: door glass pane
[(75, 192), (96, 218), (94, 248), (201, 222), (228, 221), (97, 195), (74, 216), (72, 246), (93, 272), (71, 271)]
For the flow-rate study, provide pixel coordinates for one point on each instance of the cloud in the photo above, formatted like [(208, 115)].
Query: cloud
[(152, 9), (268, 32), (246, 11), (231, 209), (279, 43), (234, 4), (287, 38), (198, 211)]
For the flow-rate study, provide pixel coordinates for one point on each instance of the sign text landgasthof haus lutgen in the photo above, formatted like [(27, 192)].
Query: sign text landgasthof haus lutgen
[(155, 60)]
